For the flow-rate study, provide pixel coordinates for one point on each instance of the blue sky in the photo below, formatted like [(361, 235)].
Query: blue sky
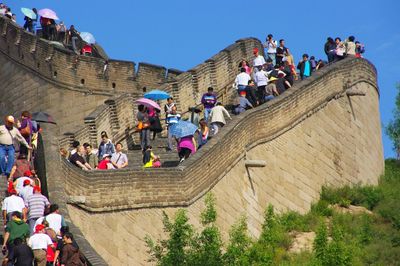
[(181, 34)]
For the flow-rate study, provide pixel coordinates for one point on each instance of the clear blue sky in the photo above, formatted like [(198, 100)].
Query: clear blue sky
[(181, 34)]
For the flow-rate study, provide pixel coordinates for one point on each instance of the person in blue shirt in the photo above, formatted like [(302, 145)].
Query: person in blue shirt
[(305, 67), (172, 118), (208, 100), (106, 146)]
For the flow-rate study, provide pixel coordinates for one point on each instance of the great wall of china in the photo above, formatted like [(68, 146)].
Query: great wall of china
[(325, 130)]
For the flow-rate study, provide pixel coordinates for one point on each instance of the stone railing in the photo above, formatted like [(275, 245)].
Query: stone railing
[(180, 186)]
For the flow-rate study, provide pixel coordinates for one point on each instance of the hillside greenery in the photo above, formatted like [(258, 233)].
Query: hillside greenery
[(341, 238)]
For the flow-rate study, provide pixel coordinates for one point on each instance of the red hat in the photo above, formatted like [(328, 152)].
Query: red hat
[(242, 93), (28, 173), (39, 228), (27, 182), (255, 50), (36, 189), (12, 191)]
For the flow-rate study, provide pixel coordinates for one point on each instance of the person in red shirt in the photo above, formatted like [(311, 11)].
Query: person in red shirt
[(105, 164), (87, 50)]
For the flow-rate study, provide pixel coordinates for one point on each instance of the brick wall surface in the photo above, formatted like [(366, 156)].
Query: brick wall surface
[(305, 145)]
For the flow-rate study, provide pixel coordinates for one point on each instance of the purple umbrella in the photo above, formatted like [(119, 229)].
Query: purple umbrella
[(48, 13), (148, 103)]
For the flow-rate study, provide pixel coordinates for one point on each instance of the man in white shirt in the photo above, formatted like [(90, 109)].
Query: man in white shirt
[(271, 46), (119, 159), (242, 80), (8, 134), (258, 59), (55, 219), (12, 204), (26, 190), (39, 243)]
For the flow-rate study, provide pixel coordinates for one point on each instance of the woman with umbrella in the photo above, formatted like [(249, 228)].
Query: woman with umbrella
[(30, 18), (186, 147), (143, 126), (184, 132)]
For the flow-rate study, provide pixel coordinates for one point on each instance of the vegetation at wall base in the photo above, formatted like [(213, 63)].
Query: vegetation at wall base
[(341, 238)]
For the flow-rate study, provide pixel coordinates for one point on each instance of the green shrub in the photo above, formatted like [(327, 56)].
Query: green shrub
[(322, 208)]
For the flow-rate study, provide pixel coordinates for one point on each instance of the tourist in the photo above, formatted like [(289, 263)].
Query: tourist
[(340, 49), (90, 156), (186, 147), (75, 147), (320, 64), (242, 80), (305, 67), (21, 255), (244, 64), (28, 25), (313, 63), (271, 90), (36, 205), (87, 50), (350, 46), (244, 104), (26, 129), (71, 255), (60, 244), (258, 59), (150, 159), (330, 49), (217, 117), (19, 182), (105, 163), (281, 52), (106, 146), (39, 242), (55, 219), (208, 100), (61, 32), (172, 118), (143, 126), (9, 134), (168, 106), (268, 65), (15, 228), (64, 154), (119, 159), (359, 49), (21, 165), (78, 159), (11, 204), (271, 46), (73, 35), (3, 9), (26, 190), (290, 63), (155, 123), (251, 93), (203, 134), (45, 23), (261, 79)]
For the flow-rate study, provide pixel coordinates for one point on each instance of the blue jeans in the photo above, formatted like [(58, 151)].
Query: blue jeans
[(144, 138), (268, 97), (207, 112), (7, 153), (241, 88)]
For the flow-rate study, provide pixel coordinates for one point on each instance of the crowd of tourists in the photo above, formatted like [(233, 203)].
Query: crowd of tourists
[(35, 232), (47, 28)]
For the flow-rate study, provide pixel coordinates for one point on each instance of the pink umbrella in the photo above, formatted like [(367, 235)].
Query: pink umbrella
[(148, 103), (48, 13)]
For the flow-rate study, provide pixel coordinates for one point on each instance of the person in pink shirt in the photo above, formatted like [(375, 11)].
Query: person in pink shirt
[(186, 147)]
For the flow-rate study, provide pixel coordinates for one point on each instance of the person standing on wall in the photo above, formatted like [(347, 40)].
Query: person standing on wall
[(106, 146), (208, 100), (271, 46), (26, 129), (9, 134)]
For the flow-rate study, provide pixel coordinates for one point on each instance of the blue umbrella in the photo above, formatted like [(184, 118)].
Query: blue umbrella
[(156, 95), (182, 129), (29, 13), (88, 37)]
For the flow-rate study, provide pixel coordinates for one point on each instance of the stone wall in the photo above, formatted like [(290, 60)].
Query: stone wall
[(314, 135), (182, 185)]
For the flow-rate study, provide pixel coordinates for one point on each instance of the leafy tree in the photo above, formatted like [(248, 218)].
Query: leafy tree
[(393, 128), (174, 250), (239, 244), (207, 246)]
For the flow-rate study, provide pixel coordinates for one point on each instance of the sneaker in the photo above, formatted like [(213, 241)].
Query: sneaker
[(182, 160)]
